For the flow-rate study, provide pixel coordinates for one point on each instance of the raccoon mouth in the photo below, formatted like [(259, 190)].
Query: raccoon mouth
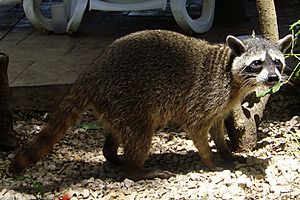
[(270, 84)]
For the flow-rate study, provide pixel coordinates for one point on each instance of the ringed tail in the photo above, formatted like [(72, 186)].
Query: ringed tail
[(65, 116)]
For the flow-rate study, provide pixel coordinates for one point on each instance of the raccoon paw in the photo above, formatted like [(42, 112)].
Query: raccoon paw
[(15, 169), (141, 174)]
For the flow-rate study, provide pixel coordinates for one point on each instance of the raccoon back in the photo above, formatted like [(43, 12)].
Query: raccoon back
[(152, 70)]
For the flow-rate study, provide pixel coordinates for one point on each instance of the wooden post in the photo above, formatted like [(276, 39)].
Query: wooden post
[(7, 134)]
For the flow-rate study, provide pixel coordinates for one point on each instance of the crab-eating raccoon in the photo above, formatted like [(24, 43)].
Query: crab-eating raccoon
[(145, 79)]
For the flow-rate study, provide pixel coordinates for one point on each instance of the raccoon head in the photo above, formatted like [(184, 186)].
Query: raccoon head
[(257, 61)]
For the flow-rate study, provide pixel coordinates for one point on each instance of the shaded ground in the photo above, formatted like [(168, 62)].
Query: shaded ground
[(77, 165)]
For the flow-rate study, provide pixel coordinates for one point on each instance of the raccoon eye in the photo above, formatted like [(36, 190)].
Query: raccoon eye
[(277, 64), (255, 66), (256, 62)]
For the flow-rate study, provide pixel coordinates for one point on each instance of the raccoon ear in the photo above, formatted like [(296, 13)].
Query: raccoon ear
[(236, 45), (285, 43)]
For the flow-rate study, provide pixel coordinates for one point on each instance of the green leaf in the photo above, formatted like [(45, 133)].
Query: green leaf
[(90, 126), (263, 93), (276, 87), (294, 24), (297, 74), (271, 90)]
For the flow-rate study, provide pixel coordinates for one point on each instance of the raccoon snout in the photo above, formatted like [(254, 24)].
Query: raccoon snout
[(268, 78), (273, 78)]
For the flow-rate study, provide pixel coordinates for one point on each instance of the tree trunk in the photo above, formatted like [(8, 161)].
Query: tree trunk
[(7, 134), (242, 124), (268, 19)]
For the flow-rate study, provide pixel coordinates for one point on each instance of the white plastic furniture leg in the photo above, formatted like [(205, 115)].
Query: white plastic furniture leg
[(38, 20), (199, 25), (34, 15), (77, 9)]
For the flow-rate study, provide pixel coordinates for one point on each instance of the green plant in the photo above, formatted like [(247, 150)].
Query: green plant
[(295, 53), (90, 126), (37, 187)]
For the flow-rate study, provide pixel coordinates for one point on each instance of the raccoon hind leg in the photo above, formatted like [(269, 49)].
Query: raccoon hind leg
[(112, 141), (137, 144)]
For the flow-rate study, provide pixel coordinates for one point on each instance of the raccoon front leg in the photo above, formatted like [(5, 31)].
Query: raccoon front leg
[(137, 143), (200, 138), (110, 150), (217, 134)]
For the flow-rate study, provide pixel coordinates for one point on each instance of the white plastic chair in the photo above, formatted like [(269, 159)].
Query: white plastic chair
[(76, 9), (199, 25)]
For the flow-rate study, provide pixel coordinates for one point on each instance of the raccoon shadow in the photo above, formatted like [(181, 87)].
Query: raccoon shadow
[(285, 103), (191, 162), (179, 164), (282, 106)]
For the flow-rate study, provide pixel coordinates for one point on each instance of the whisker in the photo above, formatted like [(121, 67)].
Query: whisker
[(246, 83), (290, 83), (288, 68)]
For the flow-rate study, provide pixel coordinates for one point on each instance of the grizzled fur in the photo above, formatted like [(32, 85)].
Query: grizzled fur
[(141, 82)]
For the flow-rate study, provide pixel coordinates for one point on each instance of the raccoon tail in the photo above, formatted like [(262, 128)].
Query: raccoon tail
[(67, 113)]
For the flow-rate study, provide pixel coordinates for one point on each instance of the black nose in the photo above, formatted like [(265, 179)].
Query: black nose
[(273, 78)]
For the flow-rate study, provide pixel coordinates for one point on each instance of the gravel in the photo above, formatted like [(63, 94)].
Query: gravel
[(77, 167)]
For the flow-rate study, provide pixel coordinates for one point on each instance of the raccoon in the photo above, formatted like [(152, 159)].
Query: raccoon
[(147, 78)]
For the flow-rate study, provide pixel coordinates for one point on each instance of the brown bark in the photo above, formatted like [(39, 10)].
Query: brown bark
[(243, 122), (7, 135)]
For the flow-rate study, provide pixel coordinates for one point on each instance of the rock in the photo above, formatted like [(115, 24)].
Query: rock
[(90, 180), (11, 155), (128, 183), (281, 188), (52, 167), (238, 173), (85, 193), (216, 179), (295, 120), (243, 181)]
